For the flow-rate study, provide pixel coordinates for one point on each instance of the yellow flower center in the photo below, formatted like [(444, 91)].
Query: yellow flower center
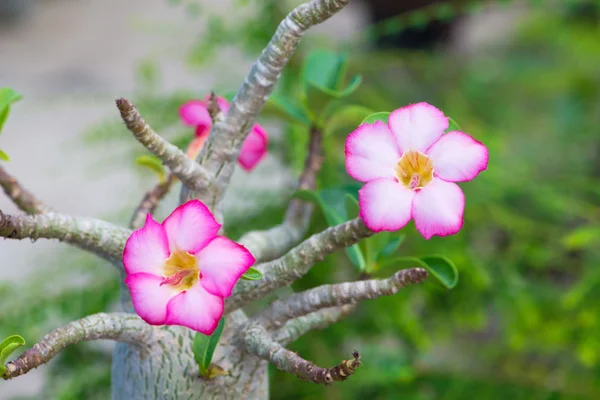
[(414, 170), (181, 271)]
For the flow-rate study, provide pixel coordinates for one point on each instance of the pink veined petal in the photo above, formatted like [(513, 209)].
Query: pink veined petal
[(417, 126), (254, 148), (196, 309), (194, 113), (146, 249), (149, 298), (385, 204), (438, 209), (222, 263), (190, 227), (371, 152), (457, 157)]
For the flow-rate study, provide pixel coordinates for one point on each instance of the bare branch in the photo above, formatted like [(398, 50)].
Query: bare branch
[(189, 172), (297, 262), (260, 343), (226, 138), (272, 243), (98, 237), (23, 198), (338, 294), (298, 327), (122, 327), (150, 201)]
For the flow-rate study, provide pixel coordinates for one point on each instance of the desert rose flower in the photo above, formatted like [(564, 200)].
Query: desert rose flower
[(179, 272), (195, 113), (410, 166)]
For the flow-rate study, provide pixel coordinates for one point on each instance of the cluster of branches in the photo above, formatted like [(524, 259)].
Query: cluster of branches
[(281, 254)]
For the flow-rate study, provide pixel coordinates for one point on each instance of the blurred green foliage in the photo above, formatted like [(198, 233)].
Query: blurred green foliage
[(523, 321)]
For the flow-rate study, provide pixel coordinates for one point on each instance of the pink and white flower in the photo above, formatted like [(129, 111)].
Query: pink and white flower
[(195, 113), (180, 271), (410, 166)]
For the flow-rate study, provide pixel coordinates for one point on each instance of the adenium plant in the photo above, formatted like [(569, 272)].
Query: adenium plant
[(183, 332)]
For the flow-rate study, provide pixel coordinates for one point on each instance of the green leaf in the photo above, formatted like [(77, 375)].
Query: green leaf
[(440, 267), (4, 156), (204, 348), (452, 125), (252, 275), (333, 203), (391, 246), (352, 208), (153, 164), (281, 107), (7, 97), (324, 68), (318, 98), (345, 120), (378, 116), (7, 347), (581, 237)]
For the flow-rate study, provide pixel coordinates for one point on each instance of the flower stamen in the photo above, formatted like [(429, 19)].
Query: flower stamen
[(414, 170), (181, 271)]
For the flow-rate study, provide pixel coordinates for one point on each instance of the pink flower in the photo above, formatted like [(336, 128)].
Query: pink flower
[(179, 272), (194, 113), (409, 166)]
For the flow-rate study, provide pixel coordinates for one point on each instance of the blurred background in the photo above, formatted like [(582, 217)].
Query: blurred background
[(521, 76)]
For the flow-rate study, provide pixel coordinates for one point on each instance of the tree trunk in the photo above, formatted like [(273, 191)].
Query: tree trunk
[(170, 372)]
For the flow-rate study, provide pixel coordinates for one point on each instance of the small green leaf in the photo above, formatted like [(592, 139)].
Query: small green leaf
[(204, 348), (7, 97), (452, 125), (318, 98), (439, 267), (7, 347), (252, 275), (391, 246), (4, 156), (333, 202), (324, 68), (279, 106), (378, 116), (345, 120), (352, 208), (153, 164), (581, 237)]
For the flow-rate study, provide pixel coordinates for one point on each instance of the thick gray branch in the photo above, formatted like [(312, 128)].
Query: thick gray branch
[(297, 262), (189, 172), (118, 326), (225, 141), (298, 327), (258, 342), (339, 294), (23, 198), (98, 237)]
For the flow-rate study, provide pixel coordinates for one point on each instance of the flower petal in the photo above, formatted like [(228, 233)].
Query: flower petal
[(149, 298), (438, 209), (222, 263), (457, 157), (195, 113), (195, 146), (254, 148), (190, 227), (417, 126), (146, 249), (196, 309), (371, 152), (385, 204)]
